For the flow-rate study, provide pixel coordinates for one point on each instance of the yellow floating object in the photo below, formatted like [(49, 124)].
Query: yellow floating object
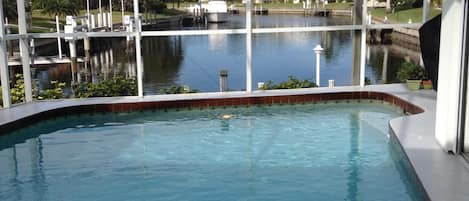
[(227, 116)]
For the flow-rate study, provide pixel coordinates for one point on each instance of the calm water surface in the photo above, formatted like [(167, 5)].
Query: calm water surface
[(303, 152), (197, 60)]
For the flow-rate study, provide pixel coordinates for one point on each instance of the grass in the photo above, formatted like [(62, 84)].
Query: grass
[(403, 16), (280, 5), (181, 5), (340, 6), (277, 5), (43, 23)]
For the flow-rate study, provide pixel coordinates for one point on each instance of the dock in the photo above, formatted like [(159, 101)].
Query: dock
[(322, 12), (260, 11), (47, 60)]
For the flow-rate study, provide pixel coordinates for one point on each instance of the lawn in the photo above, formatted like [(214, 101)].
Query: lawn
[(44, 23), (340, 6), (276, 5), (403, 16)]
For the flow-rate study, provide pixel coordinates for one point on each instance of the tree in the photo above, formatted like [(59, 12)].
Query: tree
[(9, 9), (398, 5), (58, 7), (152, 6)]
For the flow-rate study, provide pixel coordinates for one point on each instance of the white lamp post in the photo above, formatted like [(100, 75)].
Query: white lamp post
[(318, 49)]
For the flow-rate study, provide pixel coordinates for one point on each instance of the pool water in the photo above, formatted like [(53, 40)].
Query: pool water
[(325, 152)]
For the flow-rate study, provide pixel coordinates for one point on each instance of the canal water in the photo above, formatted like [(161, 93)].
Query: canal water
[(196, 60)]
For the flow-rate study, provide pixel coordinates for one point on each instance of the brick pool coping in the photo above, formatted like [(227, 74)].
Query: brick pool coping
[(442, 176), (201, 103)]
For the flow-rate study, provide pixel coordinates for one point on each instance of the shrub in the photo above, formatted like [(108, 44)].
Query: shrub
[(55, 93), (291, 83), (153, 6), (176, 89), (411, 71), (116, 86), (398, 5), (17, 92)]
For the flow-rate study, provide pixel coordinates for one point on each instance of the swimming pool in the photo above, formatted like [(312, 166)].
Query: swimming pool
[(332, 151)]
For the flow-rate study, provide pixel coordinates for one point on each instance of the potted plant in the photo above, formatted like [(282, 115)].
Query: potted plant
[(427, 84), (412, 74)]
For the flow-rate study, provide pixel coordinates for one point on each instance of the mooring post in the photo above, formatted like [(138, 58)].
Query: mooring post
[(223, 80), (331, 83)]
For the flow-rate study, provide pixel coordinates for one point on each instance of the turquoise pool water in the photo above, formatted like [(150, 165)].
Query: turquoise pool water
[(300, 152)]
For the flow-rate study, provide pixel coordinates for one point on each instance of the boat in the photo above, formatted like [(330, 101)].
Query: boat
[(216, 11)]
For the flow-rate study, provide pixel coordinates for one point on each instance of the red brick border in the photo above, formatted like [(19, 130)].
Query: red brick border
[(207, 103)]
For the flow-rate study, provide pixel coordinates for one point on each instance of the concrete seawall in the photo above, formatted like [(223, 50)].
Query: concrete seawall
[(405, 37)]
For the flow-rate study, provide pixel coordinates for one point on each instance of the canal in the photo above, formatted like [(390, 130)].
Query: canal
[(196, 60)]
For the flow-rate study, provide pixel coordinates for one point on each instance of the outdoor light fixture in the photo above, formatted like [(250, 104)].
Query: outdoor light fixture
[(318, 49)]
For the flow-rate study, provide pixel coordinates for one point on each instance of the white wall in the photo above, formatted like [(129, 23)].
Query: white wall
[(449, 74)]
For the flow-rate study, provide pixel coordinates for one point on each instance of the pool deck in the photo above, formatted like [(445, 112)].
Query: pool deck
[(445, 177)]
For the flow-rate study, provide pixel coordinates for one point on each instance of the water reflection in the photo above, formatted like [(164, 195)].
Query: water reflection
[(196, 60), (384, 61), (162, 62), (353, 169)]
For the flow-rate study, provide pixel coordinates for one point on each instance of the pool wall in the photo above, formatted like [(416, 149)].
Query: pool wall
[(209, 103)]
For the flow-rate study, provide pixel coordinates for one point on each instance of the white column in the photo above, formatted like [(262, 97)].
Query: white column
[(93, 22), (449, 74), (425, 10), (388, 6), (248, 47), (363, 44), (100, 20), (138, 49), (100, 14), (4, 62), (24, 50), (384, 73), (104, 17), (110, 14), (122, 11), (100, 7), (88, 14), (59, 41)]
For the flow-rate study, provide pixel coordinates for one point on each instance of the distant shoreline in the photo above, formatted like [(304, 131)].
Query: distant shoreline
[(407, 37)]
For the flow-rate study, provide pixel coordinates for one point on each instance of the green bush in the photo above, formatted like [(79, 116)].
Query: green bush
[(116, 86), (17, 92), (55, 93), (398, 5), (171, 11), (411, 71), (176, 89), (153, 6), (291, 83)]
